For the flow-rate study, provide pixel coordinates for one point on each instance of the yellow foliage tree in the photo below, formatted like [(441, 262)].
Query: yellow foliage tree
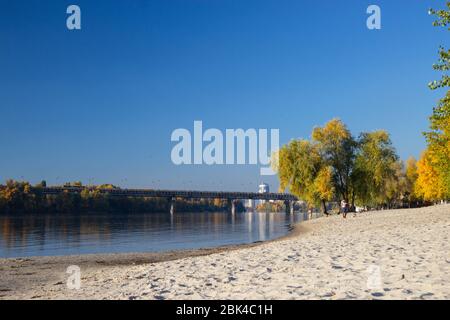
[(302, 170), (337, 148), (430, 183), (323, 185), (411, 179)]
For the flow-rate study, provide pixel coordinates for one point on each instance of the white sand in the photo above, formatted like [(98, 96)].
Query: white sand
[(397, 254)]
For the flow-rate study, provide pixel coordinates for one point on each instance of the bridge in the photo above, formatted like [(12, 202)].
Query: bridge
[(172, 195)]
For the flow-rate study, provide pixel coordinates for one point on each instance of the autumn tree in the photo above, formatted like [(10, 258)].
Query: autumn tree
[(17, 197), (429, 185), (411, 176), (334, 166), (337, 149), (439, 140), (323, 185), (377, 172), (304, 172), (395, 186)]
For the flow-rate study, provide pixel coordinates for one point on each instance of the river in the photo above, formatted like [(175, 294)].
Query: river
[(73, 234)]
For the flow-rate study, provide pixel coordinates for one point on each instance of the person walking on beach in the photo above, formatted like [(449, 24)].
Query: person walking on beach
[(344, 208)]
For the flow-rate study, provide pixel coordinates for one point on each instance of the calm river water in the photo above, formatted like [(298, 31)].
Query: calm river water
[(50, 235)]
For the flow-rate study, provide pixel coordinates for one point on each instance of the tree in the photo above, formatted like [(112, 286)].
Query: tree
[(106, 187), (21, 197), (437, 156), (337, 147), (429, 185), (410, 180), (18, 197), (443, 65), (439, 140), (377, 170), (334, 165), (302, 170), (323, 185), (395, 186)]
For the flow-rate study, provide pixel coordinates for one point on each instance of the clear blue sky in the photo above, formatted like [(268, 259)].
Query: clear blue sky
[(100, 104)]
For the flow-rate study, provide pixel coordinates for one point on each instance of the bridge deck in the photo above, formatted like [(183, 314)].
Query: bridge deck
[(148, 193)]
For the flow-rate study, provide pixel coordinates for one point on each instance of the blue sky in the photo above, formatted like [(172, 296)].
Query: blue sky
[(99, 104)]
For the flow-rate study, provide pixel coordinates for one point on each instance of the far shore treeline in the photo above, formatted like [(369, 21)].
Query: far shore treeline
[(21, 197), (366, 171)]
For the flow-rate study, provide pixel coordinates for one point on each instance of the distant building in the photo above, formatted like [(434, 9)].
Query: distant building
[(263, 188)]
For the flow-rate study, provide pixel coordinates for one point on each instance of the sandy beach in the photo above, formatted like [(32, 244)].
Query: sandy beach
[(393, 254)]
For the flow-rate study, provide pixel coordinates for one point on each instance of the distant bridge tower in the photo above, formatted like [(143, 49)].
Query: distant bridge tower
[(263, 188)]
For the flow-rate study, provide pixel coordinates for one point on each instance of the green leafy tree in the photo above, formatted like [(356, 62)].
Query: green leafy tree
[(395, 187), (439, 137), (377, 171), (443, 64)]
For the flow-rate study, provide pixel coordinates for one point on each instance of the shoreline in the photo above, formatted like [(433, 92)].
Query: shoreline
[(11, 280), (323, 258)]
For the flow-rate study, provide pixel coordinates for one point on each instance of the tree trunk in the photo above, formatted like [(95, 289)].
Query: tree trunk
[(353, 208), (324, 207)]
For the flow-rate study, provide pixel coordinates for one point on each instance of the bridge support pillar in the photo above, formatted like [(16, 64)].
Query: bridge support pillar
[(289, 206), (172, 205), (232, 206)]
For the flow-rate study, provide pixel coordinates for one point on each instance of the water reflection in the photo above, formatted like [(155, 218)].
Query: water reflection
[(33, 235)]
